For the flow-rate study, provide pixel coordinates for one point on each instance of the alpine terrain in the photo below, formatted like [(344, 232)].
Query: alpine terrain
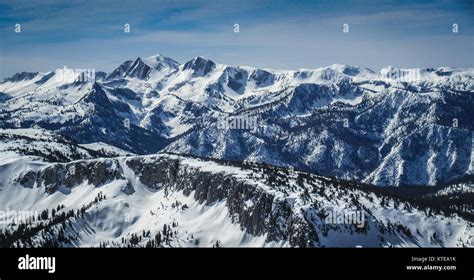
[(162, 154)]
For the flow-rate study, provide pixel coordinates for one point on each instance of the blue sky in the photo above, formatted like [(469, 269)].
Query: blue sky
[(280, 34)]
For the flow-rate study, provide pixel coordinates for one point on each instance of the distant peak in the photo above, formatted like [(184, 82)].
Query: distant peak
[(201, 58), (159, 61), (158, 56), (351, 70), (138, 69), (138, 60), (200, 65), (22, 76)]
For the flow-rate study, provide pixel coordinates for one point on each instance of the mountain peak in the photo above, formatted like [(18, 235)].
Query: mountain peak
[(159, 61), (142, 67), (21, 76), (351, 70), (201, 66), (120, 71), (138, 69)]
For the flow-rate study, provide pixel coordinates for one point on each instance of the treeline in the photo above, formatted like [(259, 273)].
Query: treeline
[(160, 239)]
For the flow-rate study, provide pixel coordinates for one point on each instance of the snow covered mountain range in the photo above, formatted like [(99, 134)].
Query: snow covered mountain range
[(85, 147), (342, 121)]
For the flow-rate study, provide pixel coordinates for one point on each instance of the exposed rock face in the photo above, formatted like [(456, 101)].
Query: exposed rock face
[(265, 216), (262, 218), (70, 175), (154, 174), (200, 66)]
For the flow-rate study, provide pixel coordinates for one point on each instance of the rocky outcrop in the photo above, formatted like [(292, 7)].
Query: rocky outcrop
[(72, 174), (255, 210)]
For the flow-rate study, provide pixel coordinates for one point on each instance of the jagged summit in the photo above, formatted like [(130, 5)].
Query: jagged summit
[(200, 66), (120, 71), (138, 69), (143, 68), (158, 66)]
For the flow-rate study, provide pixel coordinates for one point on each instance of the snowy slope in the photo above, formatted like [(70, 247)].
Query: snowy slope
[(44, 145), (182, 202)]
